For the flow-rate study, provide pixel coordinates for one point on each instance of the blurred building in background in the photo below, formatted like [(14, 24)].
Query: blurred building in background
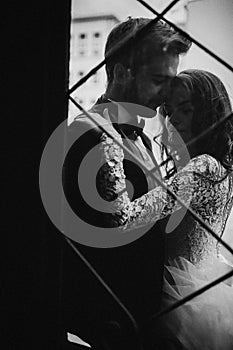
[(88, 37)]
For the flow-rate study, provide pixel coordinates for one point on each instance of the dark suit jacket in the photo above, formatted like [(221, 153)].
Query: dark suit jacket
[(133, 271)]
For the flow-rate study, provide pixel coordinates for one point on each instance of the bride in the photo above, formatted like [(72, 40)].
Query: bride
[(204, 182)]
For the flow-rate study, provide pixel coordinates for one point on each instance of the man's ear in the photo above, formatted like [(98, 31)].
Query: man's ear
[(121, 74)]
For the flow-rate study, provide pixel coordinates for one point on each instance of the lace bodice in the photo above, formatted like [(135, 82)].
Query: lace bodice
[(203, 184)]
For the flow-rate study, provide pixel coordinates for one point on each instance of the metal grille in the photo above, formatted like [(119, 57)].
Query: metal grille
[(117, 47)]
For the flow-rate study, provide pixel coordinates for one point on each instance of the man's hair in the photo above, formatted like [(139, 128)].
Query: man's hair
[(157, 38)]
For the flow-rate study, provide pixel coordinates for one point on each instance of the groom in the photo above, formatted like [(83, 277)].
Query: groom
[(137, 81)]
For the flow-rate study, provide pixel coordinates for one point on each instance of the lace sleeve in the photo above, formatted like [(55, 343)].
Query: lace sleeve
[(191, 185)]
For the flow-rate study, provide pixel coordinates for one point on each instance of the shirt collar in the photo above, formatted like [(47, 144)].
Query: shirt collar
[(121, 118)]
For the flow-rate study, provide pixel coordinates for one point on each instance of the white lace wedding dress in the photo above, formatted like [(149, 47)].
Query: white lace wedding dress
[(205, 322)]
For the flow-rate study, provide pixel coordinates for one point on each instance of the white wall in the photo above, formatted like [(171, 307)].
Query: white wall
[(211, 23)]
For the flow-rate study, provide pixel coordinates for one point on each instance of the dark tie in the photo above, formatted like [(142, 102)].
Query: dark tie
[(131, 131)]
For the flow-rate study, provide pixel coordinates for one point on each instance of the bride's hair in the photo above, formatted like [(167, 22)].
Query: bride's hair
[(211, 104)]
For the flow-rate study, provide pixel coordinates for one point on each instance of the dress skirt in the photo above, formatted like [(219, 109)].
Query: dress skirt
[(205, 322)]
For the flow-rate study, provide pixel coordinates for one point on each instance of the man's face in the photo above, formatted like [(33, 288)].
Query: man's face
[(149, 85)]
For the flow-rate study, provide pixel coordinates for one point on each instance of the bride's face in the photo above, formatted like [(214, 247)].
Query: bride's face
[(179, 116)]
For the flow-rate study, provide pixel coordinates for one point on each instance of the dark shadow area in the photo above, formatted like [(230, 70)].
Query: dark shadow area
[(35, 81), (34, 76)]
